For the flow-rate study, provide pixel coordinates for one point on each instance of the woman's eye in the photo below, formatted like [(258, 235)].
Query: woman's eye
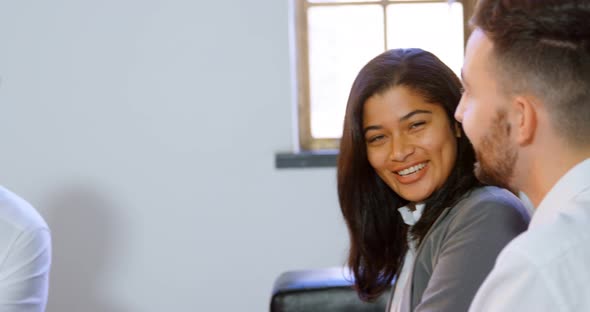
[(417, 124), (375, 138)]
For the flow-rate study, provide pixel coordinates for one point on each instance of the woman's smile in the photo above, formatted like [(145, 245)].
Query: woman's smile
[(412, 174)]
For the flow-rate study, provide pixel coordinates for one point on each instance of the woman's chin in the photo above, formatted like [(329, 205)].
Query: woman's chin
[(415, 196)]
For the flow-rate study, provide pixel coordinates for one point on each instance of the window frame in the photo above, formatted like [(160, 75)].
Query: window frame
[(307, 142)]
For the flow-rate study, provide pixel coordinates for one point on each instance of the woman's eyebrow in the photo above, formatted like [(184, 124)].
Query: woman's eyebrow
[(412, 113), (369, 128), (403, 118)]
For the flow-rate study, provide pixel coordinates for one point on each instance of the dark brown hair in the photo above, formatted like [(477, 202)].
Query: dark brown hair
[(543, 47), (378, 235)]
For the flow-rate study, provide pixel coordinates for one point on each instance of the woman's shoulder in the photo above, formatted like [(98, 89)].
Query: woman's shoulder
[(492, 196), (492, 203)]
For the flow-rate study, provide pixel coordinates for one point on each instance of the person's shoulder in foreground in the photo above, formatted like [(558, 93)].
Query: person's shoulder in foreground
[(550, 261), (25, 255), (526, 111)]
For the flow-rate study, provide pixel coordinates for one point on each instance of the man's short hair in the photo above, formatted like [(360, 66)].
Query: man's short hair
[(543, 47)]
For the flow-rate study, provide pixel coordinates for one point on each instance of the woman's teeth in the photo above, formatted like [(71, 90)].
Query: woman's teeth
[(412, 169)]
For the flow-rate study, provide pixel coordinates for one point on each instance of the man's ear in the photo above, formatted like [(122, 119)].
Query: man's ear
[(525, 118)]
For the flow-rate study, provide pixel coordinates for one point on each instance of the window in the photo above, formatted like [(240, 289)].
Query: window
[(335, 38)]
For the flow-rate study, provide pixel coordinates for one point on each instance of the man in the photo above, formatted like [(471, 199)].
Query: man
[(526, 109), (25, 256)]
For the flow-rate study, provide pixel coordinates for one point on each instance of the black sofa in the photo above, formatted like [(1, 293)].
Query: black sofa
[(322, 290)]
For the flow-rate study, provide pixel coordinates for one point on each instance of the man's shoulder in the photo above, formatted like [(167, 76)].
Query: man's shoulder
[(17, 214), (565, 237), (555, 258)]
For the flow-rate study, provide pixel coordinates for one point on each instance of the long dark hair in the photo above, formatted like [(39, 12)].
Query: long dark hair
[(378, 235)]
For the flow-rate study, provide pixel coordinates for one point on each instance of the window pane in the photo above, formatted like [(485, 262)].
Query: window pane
[(342, 39), (435, 27)]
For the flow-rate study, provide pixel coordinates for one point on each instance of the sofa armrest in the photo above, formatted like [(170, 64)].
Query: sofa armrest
[(325, 290)]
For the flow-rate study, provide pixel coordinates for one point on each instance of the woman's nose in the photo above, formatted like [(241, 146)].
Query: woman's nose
[(401, 149)]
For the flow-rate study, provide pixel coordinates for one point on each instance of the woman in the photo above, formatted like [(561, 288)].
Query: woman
[(407, 190)]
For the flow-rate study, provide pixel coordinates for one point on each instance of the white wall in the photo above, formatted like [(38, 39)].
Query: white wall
[(145, 131)]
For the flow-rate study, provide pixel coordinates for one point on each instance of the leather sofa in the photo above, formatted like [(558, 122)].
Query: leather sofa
[(322, 290)]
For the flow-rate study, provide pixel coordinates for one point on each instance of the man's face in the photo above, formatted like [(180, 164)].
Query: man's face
[(484, 113)]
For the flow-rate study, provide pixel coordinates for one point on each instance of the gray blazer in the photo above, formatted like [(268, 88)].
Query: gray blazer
[(460, 250)]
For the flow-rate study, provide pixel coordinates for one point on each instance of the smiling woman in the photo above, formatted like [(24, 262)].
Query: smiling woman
[(407, 190), (410, 142)]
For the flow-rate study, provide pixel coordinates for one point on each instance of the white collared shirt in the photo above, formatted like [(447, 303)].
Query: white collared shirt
[(25, 256), (547, 268), (410, 218)]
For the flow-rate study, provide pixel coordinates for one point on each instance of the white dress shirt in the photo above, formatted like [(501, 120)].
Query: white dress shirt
[(25, 256), (410, 218), (547, 268)]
